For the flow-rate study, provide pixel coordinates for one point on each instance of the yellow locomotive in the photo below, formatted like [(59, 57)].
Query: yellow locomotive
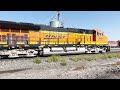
[(29, 40)]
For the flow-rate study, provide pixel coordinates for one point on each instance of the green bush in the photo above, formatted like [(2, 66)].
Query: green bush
[(37, 60), (110, 56), (63, 62), (57, 58), (104, 56), (118, 55), (54, 59), (95, 57), (76, 58)]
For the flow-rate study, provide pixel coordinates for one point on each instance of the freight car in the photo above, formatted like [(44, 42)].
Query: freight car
[(114, 44), (29, 40)]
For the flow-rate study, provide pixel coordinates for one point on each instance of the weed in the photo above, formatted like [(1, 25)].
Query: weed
[(37, 60)]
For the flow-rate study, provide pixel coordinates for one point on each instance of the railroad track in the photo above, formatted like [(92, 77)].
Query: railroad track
[(113, 50)]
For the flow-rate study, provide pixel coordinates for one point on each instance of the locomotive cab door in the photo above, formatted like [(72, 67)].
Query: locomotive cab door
[(94, 35)]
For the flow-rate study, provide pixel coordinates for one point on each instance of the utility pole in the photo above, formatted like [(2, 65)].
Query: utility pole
[(58, 15)]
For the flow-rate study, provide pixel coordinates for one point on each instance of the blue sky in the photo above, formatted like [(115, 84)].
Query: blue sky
[(108, 21)]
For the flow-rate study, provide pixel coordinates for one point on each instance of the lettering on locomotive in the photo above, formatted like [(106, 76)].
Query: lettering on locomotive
[(54, 36)]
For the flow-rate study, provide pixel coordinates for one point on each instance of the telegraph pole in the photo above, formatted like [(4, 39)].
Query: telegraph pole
[(58, 15)]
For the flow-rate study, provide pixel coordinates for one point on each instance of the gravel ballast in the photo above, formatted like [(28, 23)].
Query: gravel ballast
[(26, 69)]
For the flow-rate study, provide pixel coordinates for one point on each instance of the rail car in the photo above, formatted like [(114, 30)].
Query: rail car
[(29, 40), (114, 44)]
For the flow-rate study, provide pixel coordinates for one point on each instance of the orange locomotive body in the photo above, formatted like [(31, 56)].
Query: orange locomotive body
[(39, 39)]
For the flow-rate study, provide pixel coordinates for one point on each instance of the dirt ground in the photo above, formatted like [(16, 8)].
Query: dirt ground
[(26, 69)]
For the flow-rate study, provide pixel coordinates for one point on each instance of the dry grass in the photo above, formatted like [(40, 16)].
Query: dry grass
[(118, 63), (54, 59), (57, 58), (37, 60), (63, 62), (95, 57)]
